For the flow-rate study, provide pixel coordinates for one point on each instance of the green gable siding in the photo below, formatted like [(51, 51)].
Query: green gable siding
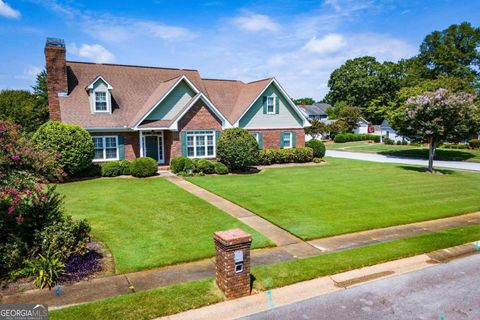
[(99, 85), (173, 103), (284, 117)]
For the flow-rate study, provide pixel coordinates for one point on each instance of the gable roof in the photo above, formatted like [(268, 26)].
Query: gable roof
[(137, 90), (316, 109)]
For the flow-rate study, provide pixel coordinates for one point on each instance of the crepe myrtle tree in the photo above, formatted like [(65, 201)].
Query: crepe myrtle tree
[(435, 117)]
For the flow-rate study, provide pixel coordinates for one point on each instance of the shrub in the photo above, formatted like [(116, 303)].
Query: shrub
[(46, 269), (178, 164), (93, 170), (415, 144), (317, 146), (399, 143), (143, 167), (115, 168), (237, 148), (454, 146), (347, 137), (388, 141), (68, 238), (71, 143), (317, 160), (205, 166), (80, 267), (474, 143), (271, 156), (220, 168)]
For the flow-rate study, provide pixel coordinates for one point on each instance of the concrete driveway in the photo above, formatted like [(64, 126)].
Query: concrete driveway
[(446, 291), (460, 165)]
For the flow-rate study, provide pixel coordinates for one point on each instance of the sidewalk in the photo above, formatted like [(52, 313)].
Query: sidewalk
[(461, 165), (275, 298)]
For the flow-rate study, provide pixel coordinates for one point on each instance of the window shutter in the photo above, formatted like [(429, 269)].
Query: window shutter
[(184, 143), (260, 140), (264, 103), (281, 140), (294, 139), (217, 138), (121, 148), (277, 105)]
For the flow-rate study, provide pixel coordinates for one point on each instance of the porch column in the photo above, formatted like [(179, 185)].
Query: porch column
[(142, 153)]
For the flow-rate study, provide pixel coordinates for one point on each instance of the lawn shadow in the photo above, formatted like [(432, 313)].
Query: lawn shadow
[(424, 169), (440, 154)]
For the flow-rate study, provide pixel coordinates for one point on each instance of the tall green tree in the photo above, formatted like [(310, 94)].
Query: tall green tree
[(435, 117), (453, 52), (304, 101)]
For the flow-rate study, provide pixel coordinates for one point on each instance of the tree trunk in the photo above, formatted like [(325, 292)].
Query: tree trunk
[(431, 154)]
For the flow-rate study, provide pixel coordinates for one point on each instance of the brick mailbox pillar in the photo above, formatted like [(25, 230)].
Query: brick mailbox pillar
[(232, 264)]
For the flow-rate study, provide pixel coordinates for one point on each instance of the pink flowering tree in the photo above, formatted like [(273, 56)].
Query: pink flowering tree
[(436, 117)]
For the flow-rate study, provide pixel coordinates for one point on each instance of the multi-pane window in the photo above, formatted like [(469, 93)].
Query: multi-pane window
[(270, 105), (100, 101), (287, 140), (200, 144), (106, 148)]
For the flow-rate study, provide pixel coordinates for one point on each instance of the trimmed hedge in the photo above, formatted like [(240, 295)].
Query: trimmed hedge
[(143, 167), (237, 148), (293, 155), (220, 168), (115, 168), (71, 143), (347, 137), (474, 143), (205, 166), (317, 146)]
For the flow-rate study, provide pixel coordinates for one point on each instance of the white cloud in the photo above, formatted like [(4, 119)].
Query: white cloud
[(29, 73), (253, 22), (7, 11), (327, 44), (94, 52)]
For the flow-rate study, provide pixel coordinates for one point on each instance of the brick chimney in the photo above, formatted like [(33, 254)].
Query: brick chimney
[(55, 58)]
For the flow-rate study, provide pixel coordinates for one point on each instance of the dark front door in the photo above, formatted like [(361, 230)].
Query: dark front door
[(151, 147)]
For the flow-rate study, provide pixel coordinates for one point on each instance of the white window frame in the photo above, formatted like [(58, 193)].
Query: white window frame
[(95, 102), (104, 147), (273, 104), (256, 135), (291, 140), (205, 134)]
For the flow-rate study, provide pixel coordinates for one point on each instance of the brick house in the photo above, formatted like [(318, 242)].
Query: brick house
[(135, 111)]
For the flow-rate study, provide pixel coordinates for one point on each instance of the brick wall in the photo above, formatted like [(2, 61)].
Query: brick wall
[(56, 78), (271, 137), (130, 140)]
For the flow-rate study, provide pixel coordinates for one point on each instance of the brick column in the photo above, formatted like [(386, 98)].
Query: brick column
[(232, 264)]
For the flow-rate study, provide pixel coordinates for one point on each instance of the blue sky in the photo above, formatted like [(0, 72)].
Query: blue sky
[(298, 42)]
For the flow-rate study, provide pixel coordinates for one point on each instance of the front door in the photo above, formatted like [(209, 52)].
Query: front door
[(153, 145)]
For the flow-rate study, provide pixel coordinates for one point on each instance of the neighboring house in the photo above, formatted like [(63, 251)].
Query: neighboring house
[(316, 111), (388, 132), (362, 127), (134, 111)]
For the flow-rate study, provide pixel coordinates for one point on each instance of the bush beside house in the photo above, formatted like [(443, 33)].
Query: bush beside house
[(187, 166), (143, 167), (317, 146), (273, 156), (115, 168), (237, 149)]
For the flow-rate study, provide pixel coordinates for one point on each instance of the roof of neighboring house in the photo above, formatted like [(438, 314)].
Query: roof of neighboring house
[(137, 89), (385, 124), (316, 109)]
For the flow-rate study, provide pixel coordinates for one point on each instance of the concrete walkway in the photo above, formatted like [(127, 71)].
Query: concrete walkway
[(301, 291), (283, 239), (461, 165)]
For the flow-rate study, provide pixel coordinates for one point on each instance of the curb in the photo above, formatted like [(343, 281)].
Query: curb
[(300, 291)]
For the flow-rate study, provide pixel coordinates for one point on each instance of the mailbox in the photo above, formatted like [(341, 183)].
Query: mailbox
[(238, 259)]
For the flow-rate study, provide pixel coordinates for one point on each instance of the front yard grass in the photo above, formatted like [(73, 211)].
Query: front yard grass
[(406, 151), (176, 298), (149, 223), (346, 196)]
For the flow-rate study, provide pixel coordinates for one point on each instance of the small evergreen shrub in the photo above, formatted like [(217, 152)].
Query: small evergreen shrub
[(93, 170), (220, 168), (143, 167), (293, 155), (178, 164), (317, 160), (237, 149), (317, 146), (115, 168), (205, 166), (474, 143), (71, 143), (388, 141), (347, 137)]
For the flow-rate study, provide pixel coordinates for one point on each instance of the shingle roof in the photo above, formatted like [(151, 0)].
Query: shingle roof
[(317, 109), (136, 89)]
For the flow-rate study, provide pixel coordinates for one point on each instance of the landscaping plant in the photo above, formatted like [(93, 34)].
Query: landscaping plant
[(46, 269), (237, 149), (220, 168), (143, 167), (71, 144), (317, 146), (115, 168)]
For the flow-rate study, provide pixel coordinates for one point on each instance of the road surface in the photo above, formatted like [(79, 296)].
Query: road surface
[(462, 165), (448, 291)]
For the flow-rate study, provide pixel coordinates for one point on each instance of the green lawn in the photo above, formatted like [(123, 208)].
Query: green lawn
[(345, 195), (149, 223), (406, 151)]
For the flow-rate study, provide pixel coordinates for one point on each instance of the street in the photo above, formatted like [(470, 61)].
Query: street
[(445, 292)]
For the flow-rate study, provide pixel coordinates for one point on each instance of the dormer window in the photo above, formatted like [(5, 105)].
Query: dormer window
[(101, 101), (100, 96), (270, 105)]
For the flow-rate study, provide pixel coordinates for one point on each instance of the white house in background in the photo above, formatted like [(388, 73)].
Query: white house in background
[(362, 127), (387, 131)]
